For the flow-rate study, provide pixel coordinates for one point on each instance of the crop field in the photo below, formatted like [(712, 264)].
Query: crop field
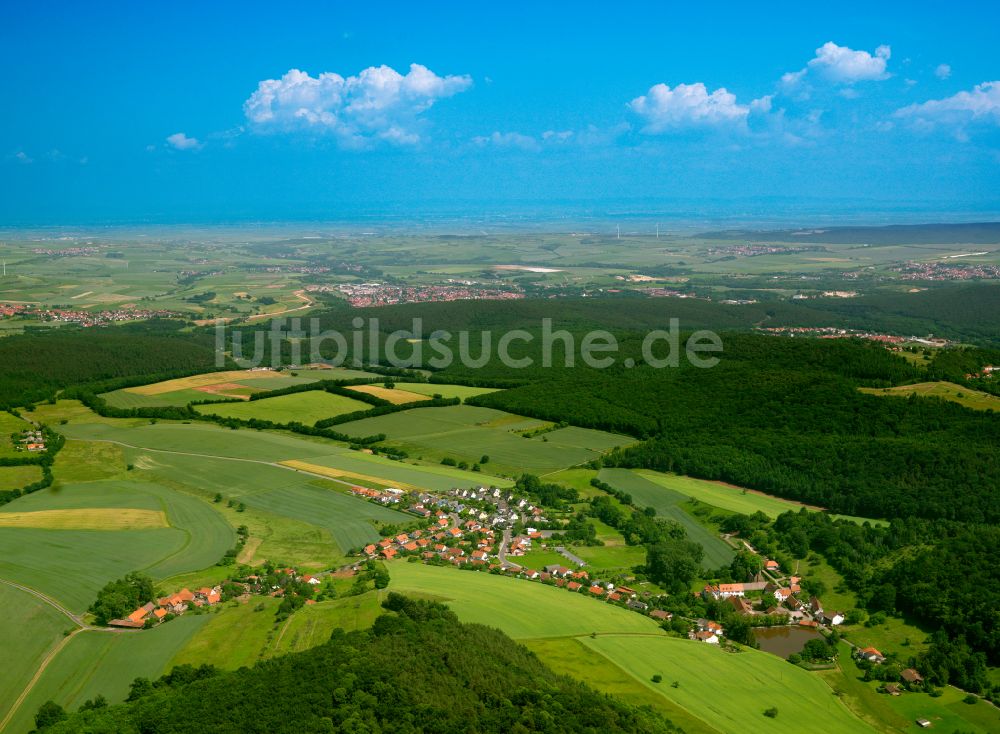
[(232, 383), (15, 477), (446, 391), (23, 653), (276, 491), (201, 439), (974, 399), (356, 466), (105, 663), (753, 681), (522, 609), (396, 395), (196, 381), (94, 519), (127, 399), (468, 432), (304, 407), (50, 559), (52, 562), (667, 503)]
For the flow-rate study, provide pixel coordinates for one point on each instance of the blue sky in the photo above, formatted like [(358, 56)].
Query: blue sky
[(236, 111)]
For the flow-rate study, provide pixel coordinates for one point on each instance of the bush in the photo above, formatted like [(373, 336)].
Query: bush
[(771, 713), (657, 678)]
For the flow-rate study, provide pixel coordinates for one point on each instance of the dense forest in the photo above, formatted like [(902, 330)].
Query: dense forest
[(416, 670), (33, 366), (939, 573), (785, 416)]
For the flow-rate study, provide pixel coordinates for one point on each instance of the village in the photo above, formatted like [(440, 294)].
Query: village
[(272, 582), (30, 440), (474, 529)]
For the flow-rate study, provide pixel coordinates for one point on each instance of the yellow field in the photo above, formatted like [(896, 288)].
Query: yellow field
[(194, 381), (104, 518), (394, 396), (327, 471), (947, 390)]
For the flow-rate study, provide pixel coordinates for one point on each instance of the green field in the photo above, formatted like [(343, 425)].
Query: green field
[(241, 634), (466, 432), (721, 495), (23, 653), (232, 636), (202, 439), (71, 565), (126, 399), (445, 391), (569, 656), (667, 503), (974, 399), (242, 383), (15, 477), (947, 713), (523, 609), (9, 425), (729, 691), (303, 407), (105, 663), (274, 490)]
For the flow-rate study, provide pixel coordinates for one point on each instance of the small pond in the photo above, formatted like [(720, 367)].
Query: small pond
[(784, 641)]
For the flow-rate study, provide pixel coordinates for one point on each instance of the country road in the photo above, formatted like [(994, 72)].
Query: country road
[(309, 303)]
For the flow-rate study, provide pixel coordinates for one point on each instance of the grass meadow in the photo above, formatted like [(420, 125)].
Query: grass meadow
[(728, 691), (667, 503), (303, 407), (948, 712), (10, 424), (241, 634), (15, 477), (570, 656), (522, 609), (974, 399), (466, 433)]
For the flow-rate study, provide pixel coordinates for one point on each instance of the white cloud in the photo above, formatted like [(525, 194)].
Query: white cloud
[(979, 105), (943, 71), (378, 103), (23, 157), (180, 141), (558, 136), (842, 65), (508, 140), (686, 106)]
